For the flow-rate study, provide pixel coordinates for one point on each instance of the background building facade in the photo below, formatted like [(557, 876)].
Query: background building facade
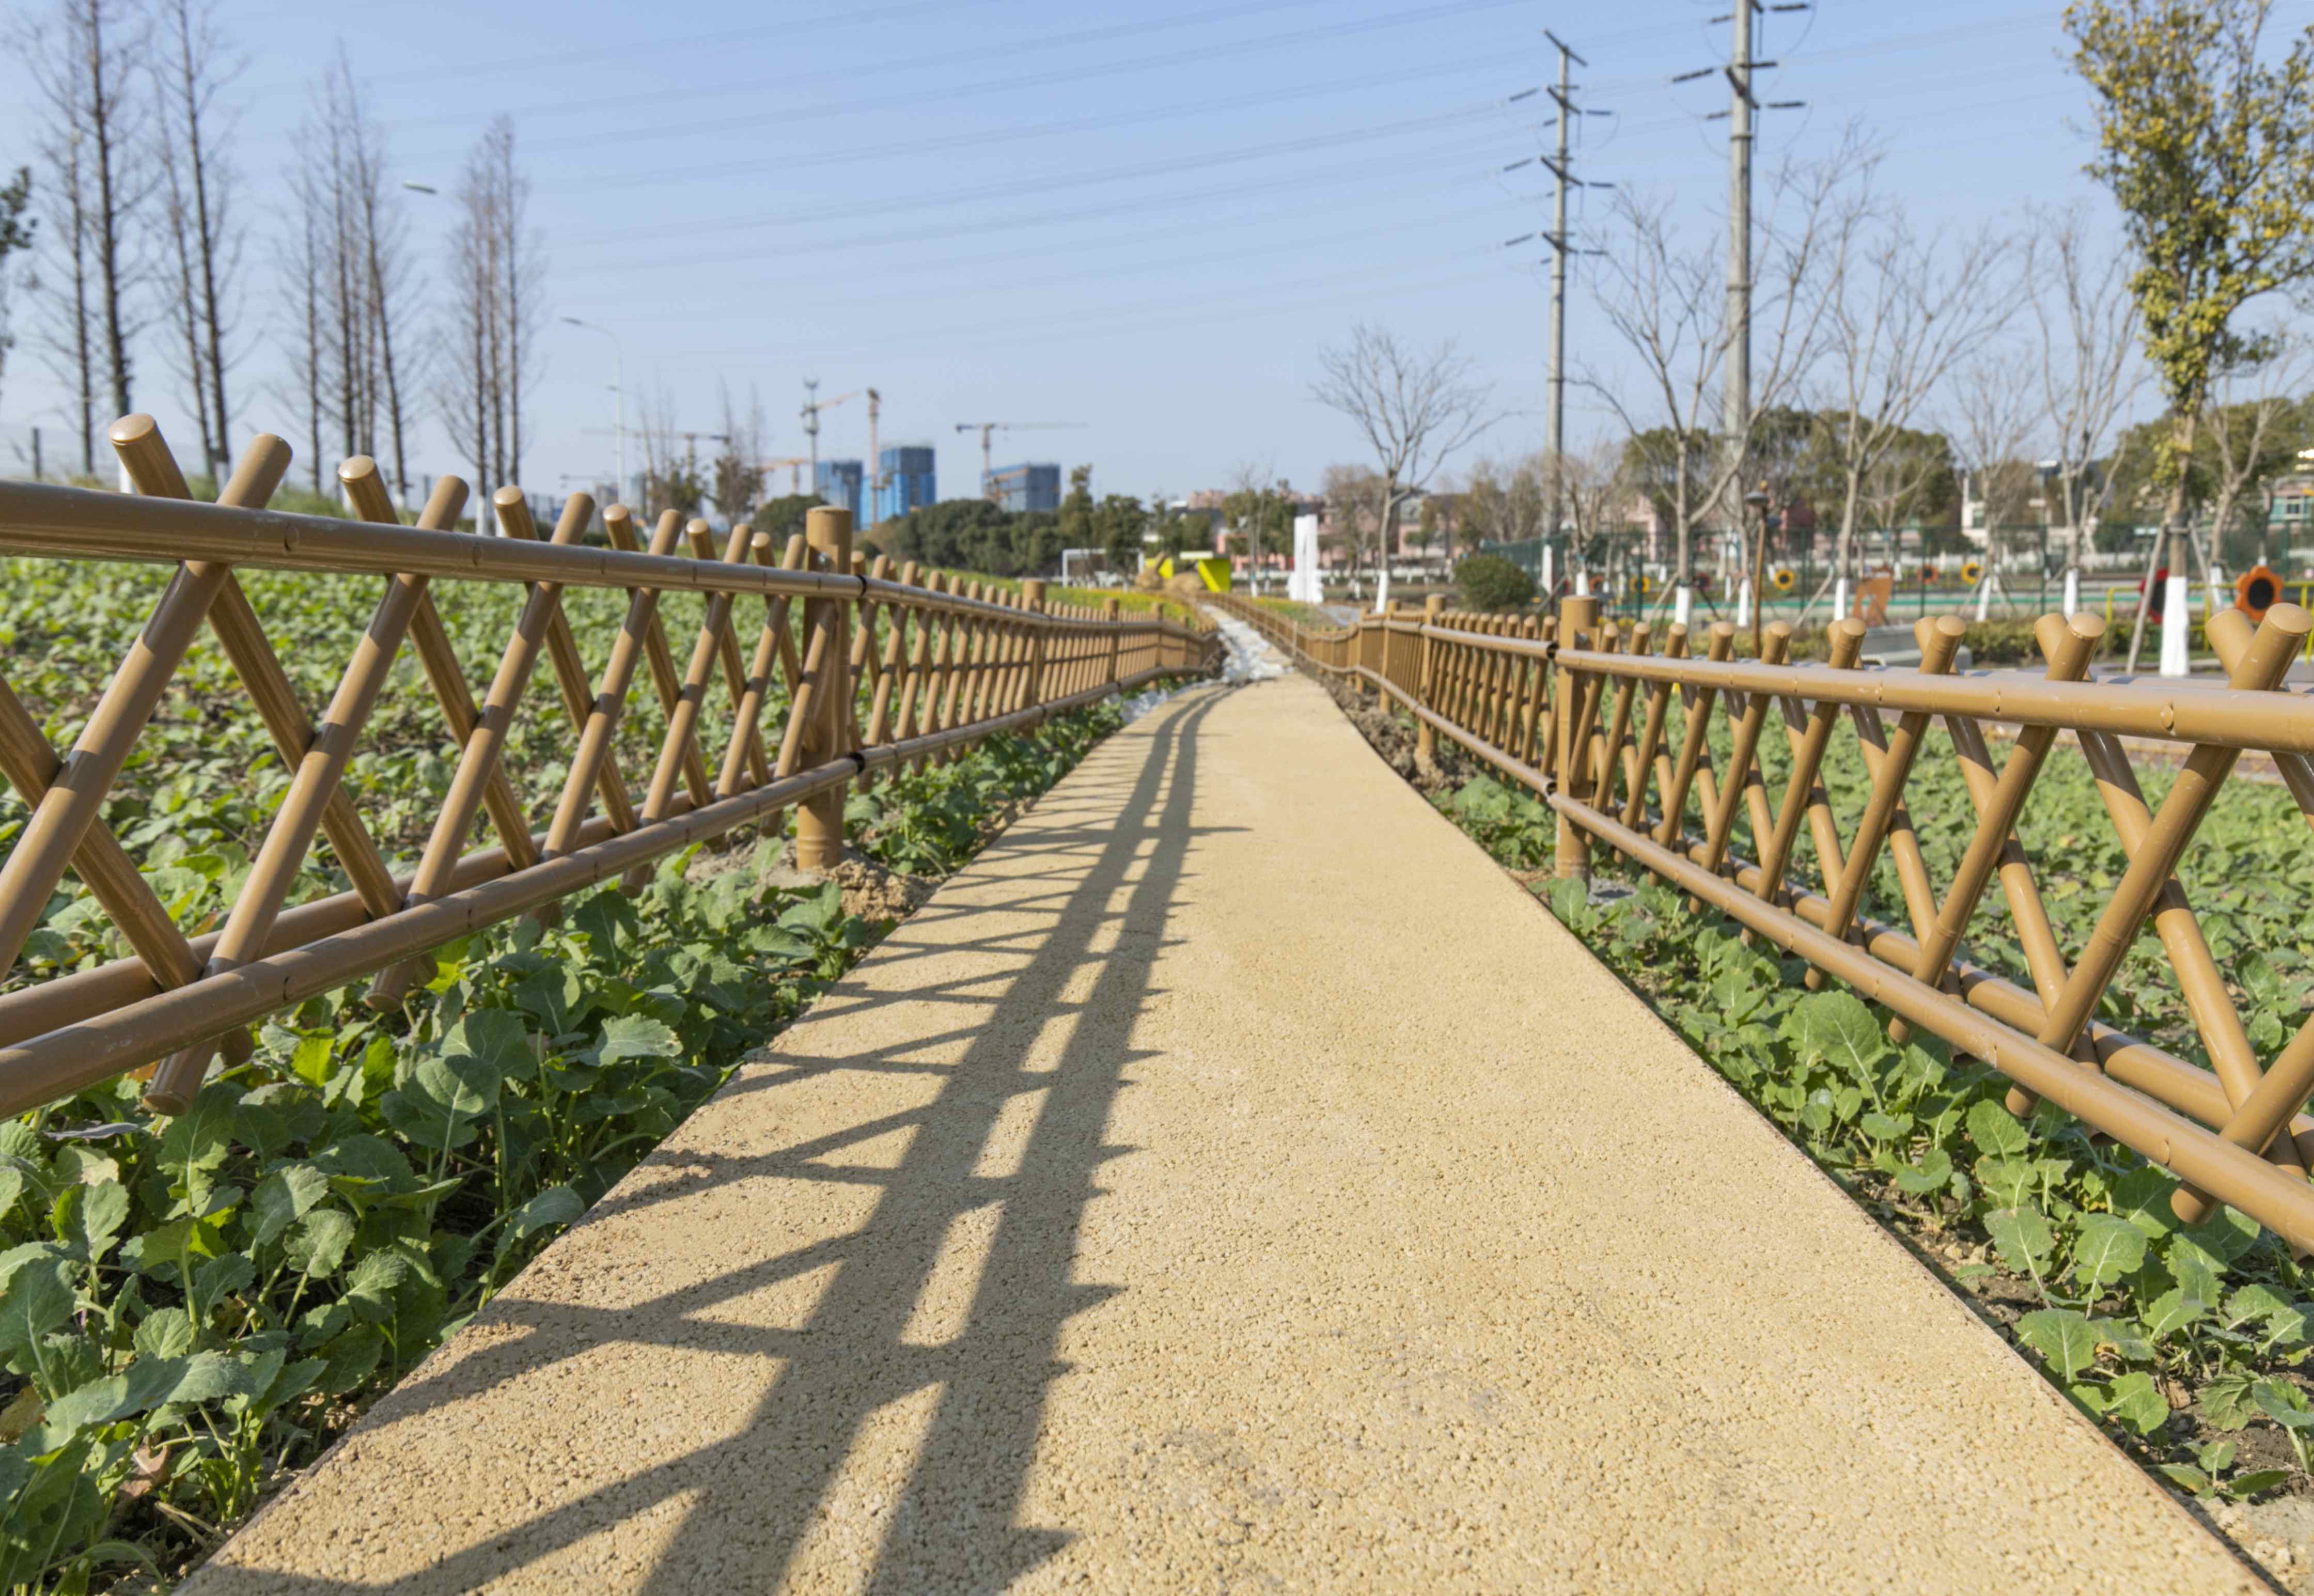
[(837, 483), (903, 480), (1025, 487)]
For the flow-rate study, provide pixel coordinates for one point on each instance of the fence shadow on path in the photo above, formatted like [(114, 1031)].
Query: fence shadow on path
[(740, 1509)]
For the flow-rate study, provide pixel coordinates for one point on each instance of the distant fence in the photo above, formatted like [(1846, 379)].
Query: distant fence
[(930, 668), (1571, 708)]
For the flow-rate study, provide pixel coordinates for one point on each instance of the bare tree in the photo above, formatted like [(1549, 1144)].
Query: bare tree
[(1413, 408), (1592, 491), (739, 470), (385, 280), (1992, 419), (302, 255), (359, 349), (1667, 304), (192, 66), (1894, 484), (522, 268), (671, 479), (466, 389), (1504, 501), (1901, 312), (2250, 432), (2087, 322), (497, 270), (83, 59), (1353, 495)]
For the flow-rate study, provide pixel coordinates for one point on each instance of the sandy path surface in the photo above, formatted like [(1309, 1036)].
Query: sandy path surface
[(1231, 1181)]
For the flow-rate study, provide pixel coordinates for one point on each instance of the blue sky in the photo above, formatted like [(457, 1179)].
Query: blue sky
[(1147, 219)]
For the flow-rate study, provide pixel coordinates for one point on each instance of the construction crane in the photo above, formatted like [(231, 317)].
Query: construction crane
[(812, 405), (987, 429), (795, 465)]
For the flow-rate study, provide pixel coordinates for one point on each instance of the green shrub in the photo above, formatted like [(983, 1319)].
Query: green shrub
[(1489, 582)]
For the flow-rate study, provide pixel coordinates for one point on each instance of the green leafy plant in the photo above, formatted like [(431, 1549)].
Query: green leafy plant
[(2066, 1240), (1489, 582), (188, 1305)]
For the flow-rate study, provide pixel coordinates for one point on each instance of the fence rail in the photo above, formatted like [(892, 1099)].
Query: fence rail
[(932, 664), (1579, 711)]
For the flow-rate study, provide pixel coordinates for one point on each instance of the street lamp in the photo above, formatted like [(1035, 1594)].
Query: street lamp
[(619, 353)]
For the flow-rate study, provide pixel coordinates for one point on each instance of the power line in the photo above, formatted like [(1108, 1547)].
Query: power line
[(1015, 187), (1455, 156), (663, 44), (1172, 110), (1398, 225), (1195, 56)]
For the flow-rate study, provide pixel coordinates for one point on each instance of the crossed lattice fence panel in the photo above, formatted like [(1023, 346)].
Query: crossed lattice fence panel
[(1613, 727), (850, 673)]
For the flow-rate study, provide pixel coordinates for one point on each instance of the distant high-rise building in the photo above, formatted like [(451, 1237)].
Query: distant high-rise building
[(1026, 486), (837, 483), (904, 480)]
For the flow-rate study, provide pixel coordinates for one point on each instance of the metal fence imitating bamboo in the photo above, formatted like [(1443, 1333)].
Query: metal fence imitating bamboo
[(1578, 710), (931, 666)]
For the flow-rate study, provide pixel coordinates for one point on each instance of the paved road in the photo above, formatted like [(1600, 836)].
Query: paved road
[(1231, 1181)]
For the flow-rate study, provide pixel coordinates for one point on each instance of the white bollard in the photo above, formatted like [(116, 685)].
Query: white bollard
[(1840, 599), (2073, 605), (2177, 627)]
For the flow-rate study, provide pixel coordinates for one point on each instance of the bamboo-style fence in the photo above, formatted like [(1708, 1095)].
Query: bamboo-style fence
[(1577, 711), (880, 674)]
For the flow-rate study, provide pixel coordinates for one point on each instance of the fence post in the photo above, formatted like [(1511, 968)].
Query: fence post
[(1425, 736), (1033, 592), (820, 820), (1112, 611), (1575, 617)]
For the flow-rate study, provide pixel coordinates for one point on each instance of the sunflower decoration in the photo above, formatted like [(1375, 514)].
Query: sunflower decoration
[(1784, 579), (2255, 591), (1971, 571), (1646, 584), (1928, 573)]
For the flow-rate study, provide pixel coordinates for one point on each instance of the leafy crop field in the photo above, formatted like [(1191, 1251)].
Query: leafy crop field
[(190, 1306), (2190, 1345)]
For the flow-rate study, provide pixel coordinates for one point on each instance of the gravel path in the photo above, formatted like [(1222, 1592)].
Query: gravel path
[(1231, 1181)]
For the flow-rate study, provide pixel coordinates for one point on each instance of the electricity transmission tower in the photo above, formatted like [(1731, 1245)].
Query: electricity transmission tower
[(1561, 165), (1560, 246), (1736, 397)]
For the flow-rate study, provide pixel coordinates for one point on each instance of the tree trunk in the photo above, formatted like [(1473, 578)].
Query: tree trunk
[(108, 216), (2173, 526), (1843, 557), (381, 316), (83, 354), (212, 316)]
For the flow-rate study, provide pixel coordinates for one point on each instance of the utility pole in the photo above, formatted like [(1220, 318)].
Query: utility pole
[(1557, 436), (1560, 166), (1735, 399)]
